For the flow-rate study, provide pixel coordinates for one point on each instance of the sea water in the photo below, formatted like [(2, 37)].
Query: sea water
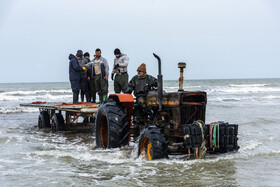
[(34, 157)]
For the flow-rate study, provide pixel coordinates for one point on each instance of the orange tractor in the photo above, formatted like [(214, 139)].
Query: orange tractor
[(172, 123)]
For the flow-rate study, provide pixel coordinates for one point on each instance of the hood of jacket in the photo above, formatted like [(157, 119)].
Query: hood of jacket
[(122, 57), (71, 56)]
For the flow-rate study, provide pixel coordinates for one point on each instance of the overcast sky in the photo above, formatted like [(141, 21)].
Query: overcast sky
[(218, 39)]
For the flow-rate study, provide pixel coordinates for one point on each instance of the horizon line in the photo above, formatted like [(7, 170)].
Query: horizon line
[(163, 80)]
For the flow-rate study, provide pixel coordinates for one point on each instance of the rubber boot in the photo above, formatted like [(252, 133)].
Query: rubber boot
[(75, 98), (100, 99), (93, 98), (82, 96), (105, 97), (88, 97)]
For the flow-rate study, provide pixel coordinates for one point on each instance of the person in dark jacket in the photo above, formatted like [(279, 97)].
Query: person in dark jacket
[(75, 74), (84, 82), (141, 84)]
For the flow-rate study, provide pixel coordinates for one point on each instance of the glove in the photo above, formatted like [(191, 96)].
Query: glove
[(128, 91), (147, 88), (84, 68), (112, 76)]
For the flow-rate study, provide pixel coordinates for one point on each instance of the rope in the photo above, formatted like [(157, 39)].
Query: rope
[(201, 125), (202, 149), (213, 131)]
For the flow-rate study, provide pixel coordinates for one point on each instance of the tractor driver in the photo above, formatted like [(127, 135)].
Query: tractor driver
[(141, 84)]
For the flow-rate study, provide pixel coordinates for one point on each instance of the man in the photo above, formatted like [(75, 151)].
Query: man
[(140, 84), (120, 69), (75, 74), (100, 71), (84, 83)]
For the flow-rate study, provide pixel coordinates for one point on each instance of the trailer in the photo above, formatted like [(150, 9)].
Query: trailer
[(65, 116)]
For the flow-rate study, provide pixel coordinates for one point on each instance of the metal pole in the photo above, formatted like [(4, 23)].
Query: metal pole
[(181, 65), (160, 89)]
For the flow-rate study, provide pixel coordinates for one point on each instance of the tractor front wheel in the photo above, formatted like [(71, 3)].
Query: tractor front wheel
[(152, 143)]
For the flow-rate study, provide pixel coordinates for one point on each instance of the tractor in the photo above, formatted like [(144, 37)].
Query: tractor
[(172, 123)]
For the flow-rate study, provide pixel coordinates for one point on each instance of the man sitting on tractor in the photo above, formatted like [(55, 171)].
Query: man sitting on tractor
[(141, 84)]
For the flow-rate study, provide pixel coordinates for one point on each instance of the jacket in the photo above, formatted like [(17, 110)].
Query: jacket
[(83, 62), (104, 67), (141, 86), (120, 64), (74, 68)]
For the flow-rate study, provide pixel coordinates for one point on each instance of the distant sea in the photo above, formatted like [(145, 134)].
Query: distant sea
[(33, 157)]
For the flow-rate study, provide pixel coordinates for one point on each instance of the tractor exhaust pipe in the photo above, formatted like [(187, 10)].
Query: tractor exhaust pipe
[(159, 91), (181, 65)]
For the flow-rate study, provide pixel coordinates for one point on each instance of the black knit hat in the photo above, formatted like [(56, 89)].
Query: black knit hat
[(86, 54), (117, 51), (79, 53)]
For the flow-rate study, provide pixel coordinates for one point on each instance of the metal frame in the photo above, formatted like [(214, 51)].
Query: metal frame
[(71, 113)]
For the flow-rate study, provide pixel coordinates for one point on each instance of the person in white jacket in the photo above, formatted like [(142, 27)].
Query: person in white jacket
[(120, 69)]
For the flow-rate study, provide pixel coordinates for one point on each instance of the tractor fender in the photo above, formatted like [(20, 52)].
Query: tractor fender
[(127, 101)]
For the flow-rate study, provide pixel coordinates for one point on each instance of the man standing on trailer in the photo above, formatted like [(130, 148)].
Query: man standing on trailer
[(84, 83), (100, 71), (75, 74), (120, 69)]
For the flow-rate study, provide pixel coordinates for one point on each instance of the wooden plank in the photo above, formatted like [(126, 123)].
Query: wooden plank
[(76, 108), (50, 105), (89, 110)]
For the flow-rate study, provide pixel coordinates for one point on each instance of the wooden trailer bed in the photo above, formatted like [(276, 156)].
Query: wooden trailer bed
[(51, 115)]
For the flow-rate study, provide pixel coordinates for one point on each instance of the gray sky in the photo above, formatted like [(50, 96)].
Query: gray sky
[(218, 39)]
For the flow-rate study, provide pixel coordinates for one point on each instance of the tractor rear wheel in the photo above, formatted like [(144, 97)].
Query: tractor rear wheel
[(112, 127), (152, 143), (44, 120)]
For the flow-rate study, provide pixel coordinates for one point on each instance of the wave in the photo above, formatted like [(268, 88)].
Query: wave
[(272, 97), (45, 97), (227, 98), (240, 90), (231, 99), (172, 88), (9, 110), (250, 145), (124, 156), (29, 92), (247, 85), (35, 95)]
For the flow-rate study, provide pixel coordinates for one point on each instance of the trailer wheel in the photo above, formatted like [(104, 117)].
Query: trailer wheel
[(152, 143), (44, 120), (57, 122), (112, 127)]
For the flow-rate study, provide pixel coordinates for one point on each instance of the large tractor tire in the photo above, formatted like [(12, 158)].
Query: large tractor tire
[(57, 122), (152, 143), (44, 120), (112, 127)]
